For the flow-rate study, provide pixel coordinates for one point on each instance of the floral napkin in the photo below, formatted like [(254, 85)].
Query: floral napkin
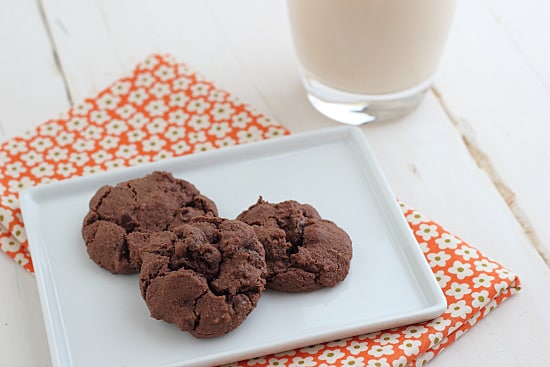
[(163, 109)]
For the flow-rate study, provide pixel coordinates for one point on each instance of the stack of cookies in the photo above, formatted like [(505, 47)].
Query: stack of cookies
[(202, 272)]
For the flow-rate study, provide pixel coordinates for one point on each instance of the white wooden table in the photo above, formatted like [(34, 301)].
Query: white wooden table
[(475, 156)]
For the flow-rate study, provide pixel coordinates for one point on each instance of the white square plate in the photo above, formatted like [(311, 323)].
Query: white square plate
[(94, 318)]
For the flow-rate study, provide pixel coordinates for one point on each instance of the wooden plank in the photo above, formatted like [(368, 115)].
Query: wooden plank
[(125, 32), (31, 87), (31, 91), (200, 33), (22, 332), (501, 104), (77, 28), (528, 27)]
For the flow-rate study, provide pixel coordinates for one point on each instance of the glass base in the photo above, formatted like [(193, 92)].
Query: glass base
[(358, 109)]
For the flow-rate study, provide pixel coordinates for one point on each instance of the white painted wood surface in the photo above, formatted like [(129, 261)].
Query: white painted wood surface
[(474, 156)]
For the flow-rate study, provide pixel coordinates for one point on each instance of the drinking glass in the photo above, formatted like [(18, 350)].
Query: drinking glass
[(368, 60)]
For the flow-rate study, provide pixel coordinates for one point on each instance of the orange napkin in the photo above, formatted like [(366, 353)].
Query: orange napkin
[(163, 109)]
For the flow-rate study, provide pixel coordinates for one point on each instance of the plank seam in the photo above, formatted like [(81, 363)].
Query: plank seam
[(55, 54), (507, 194), (2, 132)]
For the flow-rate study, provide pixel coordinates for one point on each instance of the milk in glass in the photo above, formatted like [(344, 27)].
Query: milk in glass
[(380, 54)]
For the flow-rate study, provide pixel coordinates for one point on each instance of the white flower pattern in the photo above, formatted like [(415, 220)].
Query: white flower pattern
[(331, 355), (156, 108), (138, 96), (427, 231), (447, 241), (483, 280), (461, 269), (458, 290), (357, 347)]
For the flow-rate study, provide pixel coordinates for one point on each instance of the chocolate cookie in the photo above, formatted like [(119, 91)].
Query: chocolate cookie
[(156, 202), (303, 251), (205, 276)]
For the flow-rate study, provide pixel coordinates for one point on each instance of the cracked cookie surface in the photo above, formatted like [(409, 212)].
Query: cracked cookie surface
[(117, 214), (205, 276), (304, 252)]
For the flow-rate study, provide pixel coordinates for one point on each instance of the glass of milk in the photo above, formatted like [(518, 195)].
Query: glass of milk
[(368, 60)]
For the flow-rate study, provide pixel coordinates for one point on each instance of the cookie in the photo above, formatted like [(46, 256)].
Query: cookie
[(205, 277), (303, 251), (156, 202)]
